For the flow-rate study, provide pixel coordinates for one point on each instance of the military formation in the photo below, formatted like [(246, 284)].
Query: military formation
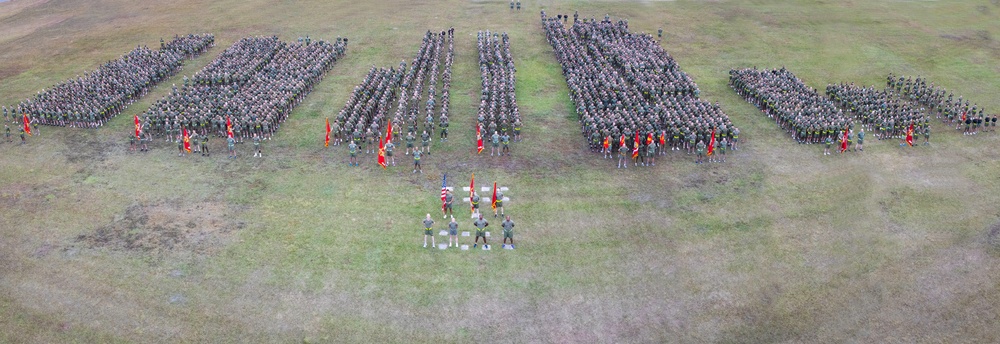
[(90, 100), (246, 92), (498, 115), (879, 111), (630, 94), (966, 116), (807, 115), (363, 120)]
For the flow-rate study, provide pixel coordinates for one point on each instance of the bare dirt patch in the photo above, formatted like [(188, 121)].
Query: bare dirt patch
[(87, 147), (165, 227), (993, 236), (12, 69)]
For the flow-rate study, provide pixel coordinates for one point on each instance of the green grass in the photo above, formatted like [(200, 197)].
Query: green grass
[(778, 244)]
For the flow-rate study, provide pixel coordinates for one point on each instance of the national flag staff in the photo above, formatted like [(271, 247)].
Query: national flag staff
[(446, 198)]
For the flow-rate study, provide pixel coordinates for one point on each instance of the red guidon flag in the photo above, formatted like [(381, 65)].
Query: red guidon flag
[(635, 146), (229, 128), (909, 135), (663, 138), (27, 125), (843, 141), (479, 140), (606, 143), (187, 141), (326, 143), (138, 127), (472, 189), (388, 132), (494, 203), (621, 141), (711, 143), (381, 154)]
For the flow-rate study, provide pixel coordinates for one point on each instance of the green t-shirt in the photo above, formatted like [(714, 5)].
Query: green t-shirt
[(507, 225), (481, 224)]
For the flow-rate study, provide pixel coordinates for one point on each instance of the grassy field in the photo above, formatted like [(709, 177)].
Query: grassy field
[(780, 244)]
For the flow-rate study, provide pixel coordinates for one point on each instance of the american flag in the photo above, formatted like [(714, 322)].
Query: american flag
[(444, 189)]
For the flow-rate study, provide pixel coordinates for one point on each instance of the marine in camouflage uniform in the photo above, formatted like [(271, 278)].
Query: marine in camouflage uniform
[(352, 149)]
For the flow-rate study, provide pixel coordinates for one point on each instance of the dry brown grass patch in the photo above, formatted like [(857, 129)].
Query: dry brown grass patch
[(164, 227)]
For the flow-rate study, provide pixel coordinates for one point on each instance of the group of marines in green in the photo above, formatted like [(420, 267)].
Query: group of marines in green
[(89, 101), (364, 115), (479, 223)]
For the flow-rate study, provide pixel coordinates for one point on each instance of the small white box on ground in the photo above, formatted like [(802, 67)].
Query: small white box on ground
[(465, 247), (486, 247), (487, 234), (485, 188), (504, 188), (442, 246), (450, 188), (465, 199), (443, 233), (506, 199), (465, 188), (465, 233)]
